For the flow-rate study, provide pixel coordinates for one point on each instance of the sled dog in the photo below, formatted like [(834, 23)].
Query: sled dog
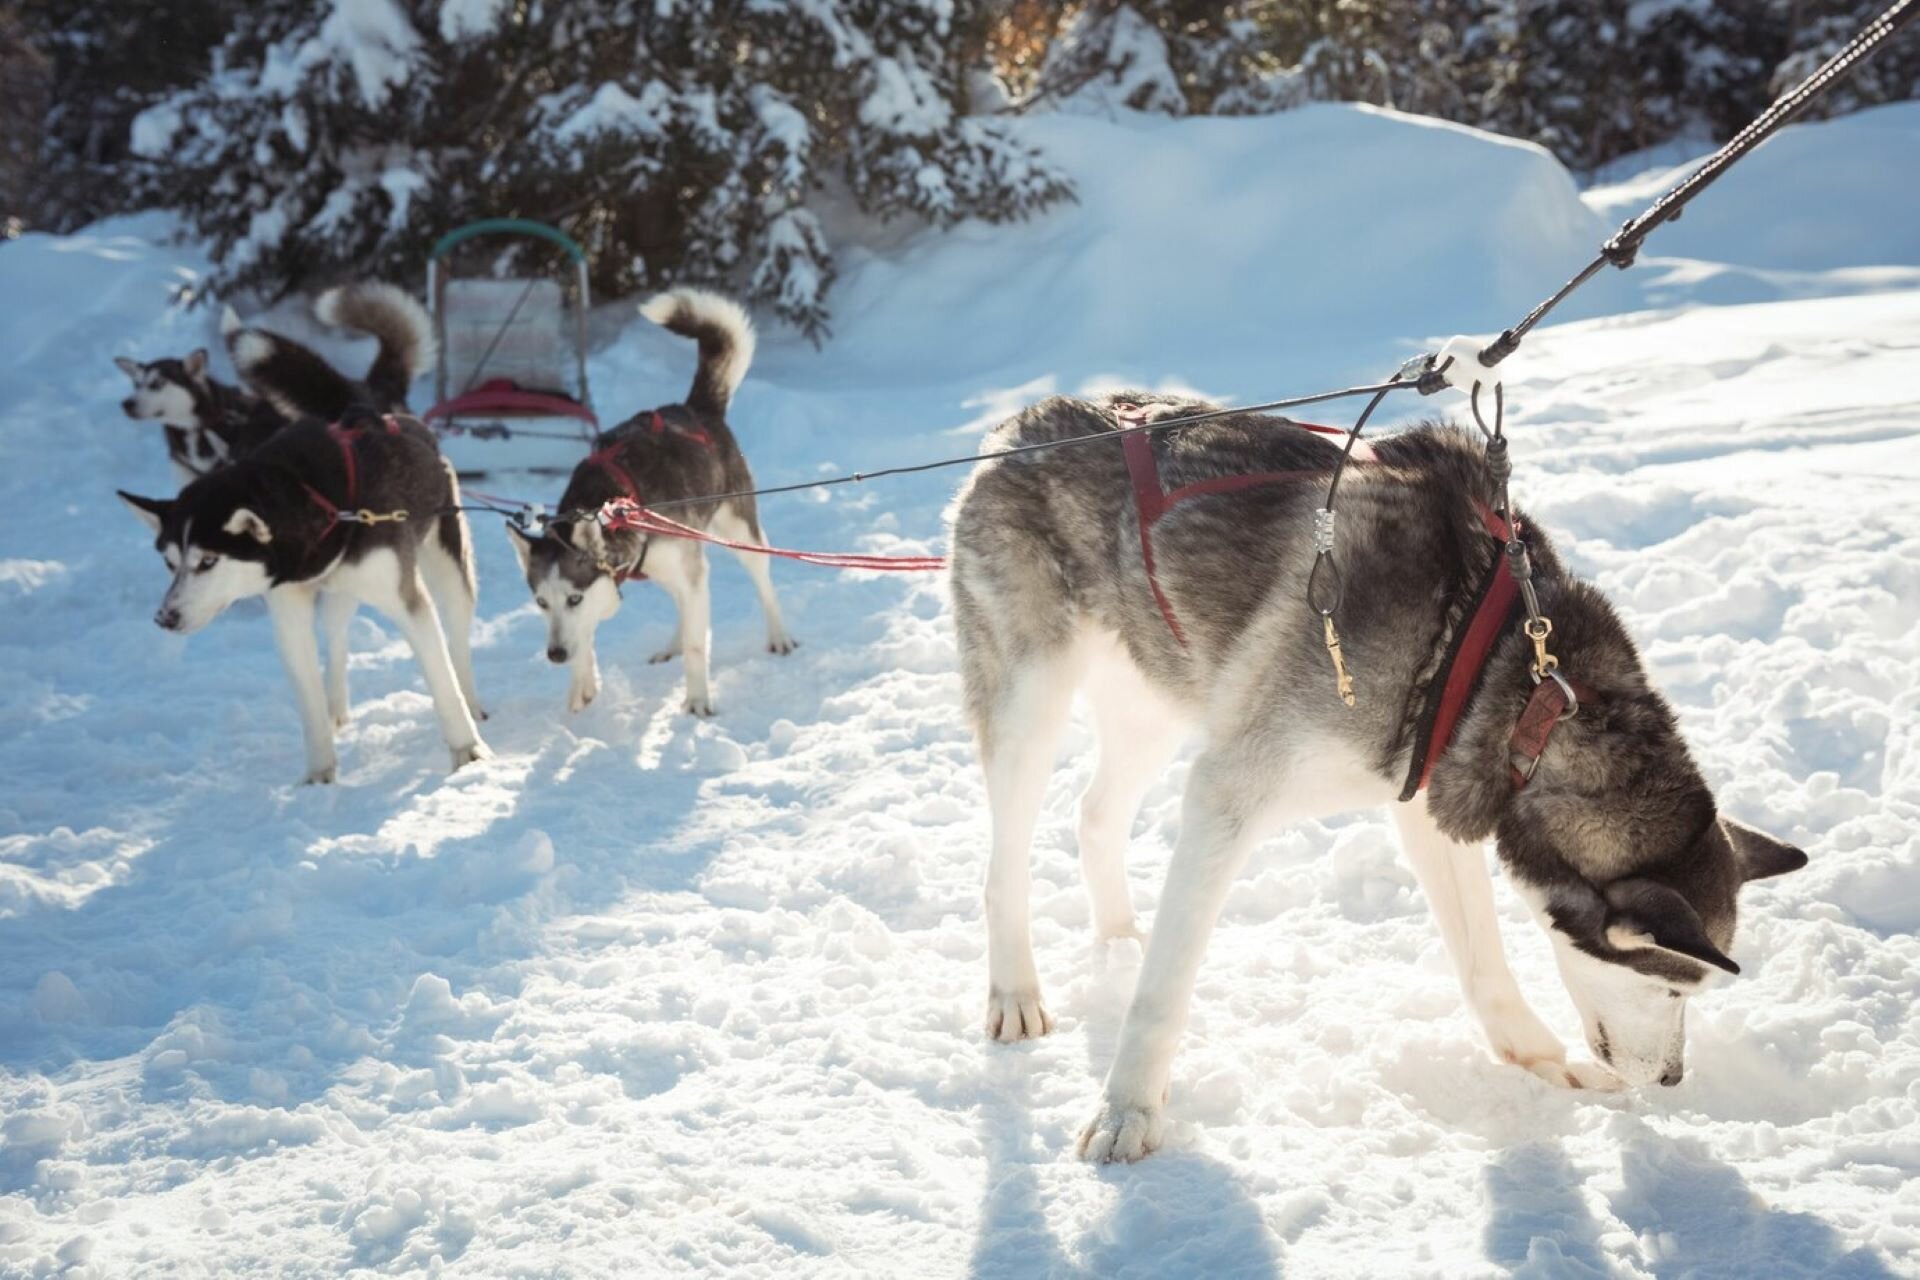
[(678, 451), (349, 502), (209, 423), (1606, 828)]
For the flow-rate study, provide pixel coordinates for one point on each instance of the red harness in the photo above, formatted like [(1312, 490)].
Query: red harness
[(1151, 499), (1451, 691), (607, 459), (348, 512)]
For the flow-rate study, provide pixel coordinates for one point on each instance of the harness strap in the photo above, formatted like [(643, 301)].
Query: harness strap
[(348, 513), (1466, 658), (608, 460), (1151, 499), (1554, 699), (660, 426)]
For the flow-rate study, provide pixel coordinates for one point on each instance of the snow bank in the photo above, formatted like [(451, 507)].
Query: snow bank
[(1812, 198), (1316, 237)]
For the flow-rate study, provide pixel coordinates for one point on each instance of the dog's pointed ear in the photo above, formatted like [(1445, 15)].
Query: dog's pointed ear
[(1646, 913), (1759, 854), (129, 366), (196, 363), (522, 544), (152, 511), (245, 523), (586, 536)]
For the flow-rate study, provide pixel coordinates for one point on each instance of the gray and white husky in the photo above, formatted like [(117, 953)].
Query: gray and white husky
[(1613, 840), (284, 522), (667, 454)]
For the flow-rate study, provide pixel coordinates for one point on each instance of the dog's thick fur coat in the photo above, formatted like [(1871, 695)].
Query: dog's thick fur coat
[(264, 525), (1616, 842), (671, 453)]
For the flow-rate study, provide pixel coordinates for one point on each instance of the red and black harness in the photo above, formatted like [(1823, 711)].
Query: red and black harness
[(1556, 696), (350, 511), (607, 458)]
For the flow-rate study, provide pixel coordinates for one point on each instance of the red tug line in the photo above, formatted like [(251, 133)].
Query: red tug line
[(630, 513)]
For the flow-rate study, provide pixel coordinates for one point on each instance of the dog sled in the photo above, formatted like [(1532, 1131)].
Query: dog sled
[(510, 386)]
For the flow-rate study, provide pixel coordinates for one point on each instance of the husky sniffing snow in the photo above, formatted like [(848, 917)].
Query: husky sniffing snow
[(659, 455), (283, 522), (207, 423), (1609, 832)]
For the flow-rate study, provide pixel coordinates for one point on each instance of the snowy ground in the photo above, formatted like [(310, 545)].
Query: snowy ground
[(648, 996)]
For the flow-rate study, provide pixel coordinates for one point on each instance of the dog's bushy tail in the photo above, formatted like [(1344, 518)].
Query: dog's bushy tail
[(725, 334), (393, 317), (293, 378)]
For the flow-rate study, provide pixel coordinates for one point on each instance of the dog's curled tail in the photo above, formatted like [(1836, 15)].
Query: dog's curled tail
[(725, 334), (392, 316), (293, 378)]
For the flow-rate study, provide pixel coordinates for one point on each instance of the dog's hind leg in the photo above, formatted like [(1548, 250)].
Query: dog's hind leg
[(395, 588), (291, 609), (1459, 890), (1138, 732), (1018, 736), (336, 613), (446, 567), (731, 525)]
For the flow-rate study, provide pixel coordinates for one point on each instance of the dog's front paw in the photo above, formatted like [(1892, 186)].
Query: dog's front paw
[(342, 715), (701, 705), (1576, 1075), (322, 774), (1017, 1015), (581, 695), (665, 655), (1516, 1034), (1122, 1133), (463, 756), (782, 644)]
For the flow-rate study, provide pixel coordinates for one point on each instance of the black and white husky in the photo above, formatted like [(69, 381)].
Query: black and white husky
[(288, 521), (207, 423), (660, 455), (1608, 831)]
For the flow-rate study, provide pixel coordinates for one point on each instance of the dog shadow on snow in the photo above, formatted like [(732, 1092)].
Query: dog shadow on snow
[(1691, 1215), (1178, 1212)]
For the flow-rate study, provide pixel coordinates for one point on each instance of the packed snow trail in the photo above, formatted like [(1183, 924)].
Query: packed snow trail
[(646, 995)]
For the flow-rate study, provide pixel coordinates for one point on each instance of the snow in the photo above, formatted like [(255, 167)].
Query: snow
[(651, 996), (612, 109), (374, 39)]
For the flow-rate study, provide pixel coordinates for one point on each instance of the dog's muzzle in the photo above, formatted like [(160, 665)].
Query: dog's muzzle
[(167, 619), (556, 653)]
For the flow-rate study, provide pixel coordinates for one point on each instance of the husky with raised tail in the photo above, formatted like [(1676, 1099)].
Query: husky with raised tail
[(1165, 576), (349, 502), (663, 455), (209, 424)]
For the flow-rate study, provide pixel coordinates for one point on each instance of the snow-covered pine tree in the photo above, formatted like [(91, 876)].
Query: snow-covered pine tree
[(684, 142), (99, 65), (1816, 29), (1173, 57)]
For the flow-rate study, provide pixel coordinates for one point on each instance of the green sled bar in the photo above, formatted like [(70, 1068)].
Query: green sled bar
[(510, 227)]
